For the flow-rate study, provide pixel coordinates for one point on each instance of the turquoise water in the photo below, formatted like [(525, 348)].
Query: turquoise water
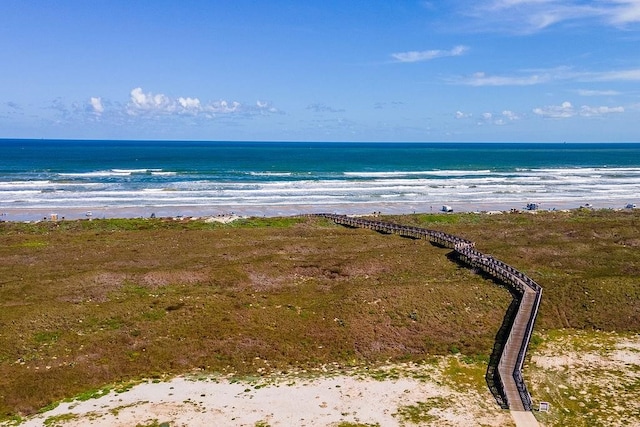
[(55, 174)]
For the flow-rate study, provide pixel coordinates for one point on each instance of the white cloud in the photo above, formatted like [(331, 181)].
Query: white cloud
[(488, 117), (191, 104), (589, 92), (566, 110), (481, 79), (510, 115), (222, 107), (141, 103), (587, 111), (427, 55), (527, 16), (458, 50), (264, 106), (623, 12), (96, 104), (540, 76), (614, 75)]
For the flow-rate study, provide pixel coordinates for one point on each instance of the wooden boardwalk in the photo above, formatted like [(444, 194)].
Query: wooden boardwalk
[(509, 383)]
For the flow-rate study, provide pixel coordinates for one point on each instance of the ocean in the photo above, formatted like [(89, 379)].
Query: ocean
[(173, 178)]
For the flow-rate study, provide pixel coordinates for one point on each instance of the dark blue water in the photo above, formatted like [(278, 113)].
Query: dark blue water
[(300, 157), (115, 174)]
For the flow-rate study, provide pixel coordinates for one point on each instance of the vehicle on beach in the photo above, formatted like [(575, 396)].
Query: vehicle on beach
[(630, 206), (446, 208)]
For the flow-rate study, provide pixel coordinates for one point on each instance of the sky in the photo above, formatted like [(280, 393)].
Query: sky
[(330, 70)]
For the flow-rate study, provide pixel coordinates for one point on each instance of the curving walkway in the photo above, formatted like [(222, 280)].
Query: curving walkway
[(509, 385)]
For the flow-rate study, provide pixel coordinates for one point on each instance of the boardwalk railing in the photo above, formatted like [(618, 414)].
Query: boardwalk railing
[(508, 376)]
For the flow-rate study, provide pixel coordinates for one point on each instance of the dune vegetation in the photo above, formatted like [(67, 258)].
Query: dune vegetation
[(87, 303)]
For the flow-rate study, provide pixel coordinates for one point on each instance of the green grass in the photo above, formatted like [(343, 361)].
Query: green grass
[(466, 374), (13, 420), (49, 407), (418, 413), (283, 222), (93, 394), (59, 420), (113, 301), (46, 337), (33, 244)]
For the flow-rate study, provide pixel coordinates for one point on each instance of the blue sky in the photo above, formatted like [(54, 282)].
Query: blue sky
[(459, 70)]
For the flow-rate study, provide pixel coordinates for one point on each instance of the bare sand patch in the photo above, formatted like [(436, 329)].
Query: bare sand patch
[(588, 378), (391, 396), (223, 219)]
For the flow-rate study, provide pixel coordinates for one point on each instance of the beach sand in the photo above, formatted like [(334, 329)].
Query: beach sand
[(285, 401), (60, 213)]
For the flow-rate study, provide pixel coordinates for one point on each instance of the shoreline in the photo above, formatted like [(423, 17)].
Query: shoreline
[(58, 213)]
